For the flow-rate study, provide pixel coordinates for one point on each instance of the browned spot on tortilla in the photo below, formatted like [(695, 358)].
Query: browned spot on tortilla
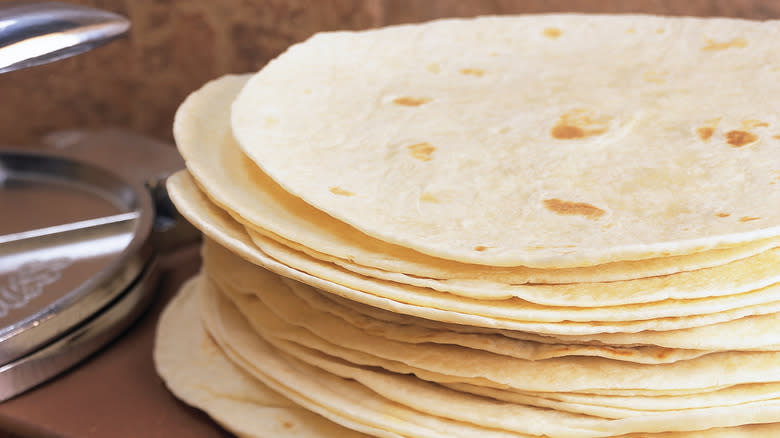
[(738, 139), (750, 124), (566, 132), (271, 122), (570, 208), (705, 132), (660, 30), (481, 248), (748, 218), (723, 214), (579, 123), (287, 425), (655, 77), (433, 68), (427, 197), (493, 53), (618, 351), (472, 71), (341, 192), (411, 101), (421, 151), (736, 43), (777, 136), (562, 349), (552, 32), (631, 30)]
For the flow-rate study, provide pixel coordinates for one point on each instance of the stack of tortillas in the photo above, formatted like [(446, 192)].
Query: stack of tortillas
[(559, 225)]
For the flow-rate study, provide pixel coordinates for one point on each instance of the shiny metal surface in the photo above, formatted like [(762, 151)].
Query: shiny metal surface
[(52, 282), (121, 220), (33, 33), (83, 340)]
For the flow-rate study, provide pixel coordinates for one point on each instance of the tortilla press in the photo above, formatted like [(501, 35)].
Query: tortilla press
[(78, 243)]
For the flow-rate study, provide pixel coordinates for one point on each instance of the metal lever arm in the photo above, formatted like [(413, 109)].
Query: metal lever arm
[(33, 33)]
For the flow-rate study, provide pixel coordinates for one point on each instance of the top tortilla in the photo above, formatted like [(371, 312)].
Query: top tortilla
[(490, 141)]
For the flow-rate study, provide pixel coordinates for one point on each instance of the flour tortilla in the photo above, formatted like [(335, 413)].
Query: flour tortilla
[(751, 273), (435, 400), (340, 400), (446, 363), (293, 301), (415, 400), (196, 370), (343, 383), (522, 309), (204, 138), (510, 314), (751, 332), (620, 406), (482, 159), (214, 223)]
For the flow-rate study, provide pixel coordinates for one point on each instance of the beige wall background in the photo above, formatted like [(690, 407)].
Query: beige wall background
[(176, 45)]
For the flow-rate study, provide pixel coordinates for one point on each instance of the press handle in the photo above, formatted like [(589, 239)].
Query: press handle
[(33, 33)]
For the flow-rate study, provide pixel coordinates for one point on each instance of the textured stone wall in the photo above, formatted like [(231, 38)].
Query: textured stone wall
[(176, 45)]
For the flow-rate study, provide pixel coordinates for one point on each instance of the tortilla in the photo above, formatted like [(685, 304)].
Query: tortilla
[(747, 333), (286, 300), (449, 363), (475, 246), (751, 273), (355, 392), (204, 138), (508, 314), (614, 406), (485, 160), (196, 370)]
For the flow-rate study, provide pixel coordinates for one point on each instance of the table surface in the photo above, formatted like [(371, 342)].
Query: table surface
[(116, 392)]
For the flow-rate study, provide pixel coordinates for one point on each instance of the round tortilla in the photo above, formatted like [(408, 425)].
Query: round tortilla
[(452, 363), (196, 370), (345, 392), (204, 138), (417, 302), (510, 314), (483, 159)]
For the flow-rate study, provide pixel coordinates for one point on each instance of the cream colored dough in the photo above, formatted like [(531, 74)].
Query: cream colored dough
[(487, 141), (343, 391), (204, 138), (196, 370)]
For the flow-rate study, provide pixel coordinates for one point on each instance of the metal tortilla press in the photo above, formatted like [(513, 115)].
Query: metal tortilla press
[(78, 243)]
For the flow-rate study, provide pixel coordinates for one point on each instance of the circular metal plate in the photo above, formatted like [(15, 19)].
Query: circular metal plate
[(54, 279)]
